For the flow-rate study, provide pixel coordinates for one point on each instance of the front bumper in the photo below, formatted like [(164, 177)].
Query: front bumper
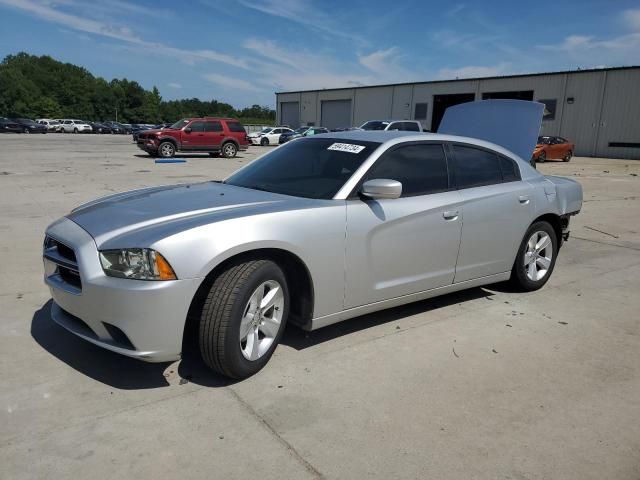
[(139, 319)]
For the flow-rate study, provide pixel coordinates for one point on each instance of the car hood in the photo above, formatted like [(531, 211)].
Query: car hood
[(161, 211)]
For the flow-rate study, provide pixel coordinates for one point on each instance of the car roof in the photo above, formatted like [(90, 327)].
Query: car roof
[(398, 136)]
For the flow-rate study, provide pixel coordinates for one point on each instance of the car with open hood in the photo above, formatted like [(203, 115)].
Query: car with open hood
[(317, 231)]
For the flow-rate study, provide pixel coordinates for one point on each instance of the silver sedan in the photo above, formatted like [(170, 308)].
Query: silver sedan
[(315, 232)]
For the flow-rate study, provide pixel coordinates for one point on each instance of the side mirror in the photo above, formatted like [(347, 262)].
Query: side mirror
[(188, 130), (381, 188)]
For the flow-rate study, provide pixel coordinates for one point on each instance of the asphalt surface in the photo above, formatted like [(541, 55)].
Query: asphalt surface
[(486, 383)]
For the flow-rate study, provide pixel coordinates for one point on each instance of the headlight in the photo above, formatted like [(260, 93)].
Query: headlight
[(136, 263)]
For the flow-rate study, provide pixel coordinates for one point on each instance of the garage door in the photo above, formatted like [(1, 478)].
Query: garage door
[(336, 113), (290, 114)]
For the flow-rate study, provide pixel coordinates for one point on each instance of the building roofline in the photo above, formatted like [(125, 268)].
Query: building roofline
[(427, 82)]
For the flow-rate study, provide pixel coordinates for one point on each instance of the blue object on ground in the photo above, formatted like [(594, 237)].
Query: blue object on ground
[(170, 160)]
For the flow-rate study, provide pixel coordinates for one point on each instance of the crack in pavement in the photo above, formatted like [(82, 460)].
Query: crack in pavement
[(294, 453)]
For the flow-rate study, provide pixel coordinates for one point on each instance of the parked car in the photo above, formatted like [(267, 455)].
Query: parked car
[(553, 148), (52, 125), (343, 129), (163, 125), (136, 129), (224, 136), (29, 126), (75, 126), (99, 127), (9, 126), (117, 127), (403, 125), (228, 264), (268, 136), (308, 132)]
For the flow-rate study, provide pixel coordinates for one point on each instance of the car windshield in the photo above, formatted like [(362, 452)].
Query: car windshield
[(301, 130), (179, 124), (310, 167), (27, 121), (374, 125), (544, 140), (266, 130)]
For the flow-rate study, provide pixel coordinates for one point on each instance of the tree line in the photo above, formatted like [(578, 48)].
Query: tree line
[(42, 87)]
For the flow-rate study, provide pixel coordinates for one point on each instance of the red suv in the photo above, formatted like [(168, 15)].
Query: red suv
[(214, 135)]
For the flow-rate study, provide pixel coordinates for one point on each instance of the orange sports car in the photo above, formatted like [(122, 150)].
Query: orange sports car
[(553, 148)]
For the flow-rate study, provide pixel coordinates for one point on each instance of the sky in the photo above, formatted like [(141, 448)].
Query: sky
[(243, 51)]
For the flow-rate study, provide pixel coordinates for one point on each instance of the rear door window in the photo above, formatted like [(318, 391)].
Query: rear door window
[(474, 167), (212, 126), (510, 171)]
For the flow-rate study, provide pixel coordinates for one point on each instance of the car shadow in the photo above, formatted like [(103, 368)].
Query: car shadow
[(301, 339), (110, 368), (125, 373)]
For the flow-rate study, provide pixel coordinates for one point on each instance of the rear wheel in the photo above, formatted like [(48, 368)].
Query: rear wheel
[(75, 130), (166, 150), (567, 157), (229, 150), (536, 257), (25, 130), (243, 318)]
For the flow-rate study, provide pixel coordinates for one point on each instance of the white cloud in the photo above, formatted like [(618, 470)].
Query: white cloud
[(587, 50), (631, 18), (380, 60), (474, 71), (233, 83), (118, 32), (304, 13), (174, 85), (455, 10)]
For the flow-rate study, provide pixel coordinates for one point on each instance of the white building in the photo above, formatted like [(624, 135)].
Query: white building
[(599, 110)]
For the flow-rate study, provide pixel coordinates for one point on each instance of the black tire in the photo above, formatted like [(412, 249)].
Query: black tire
[(264, 142), (542, 157), (229, 150), (533, 163), (25, 130), (222, 312), (519, 277), (75, 130), (166, 150), (567, 157)]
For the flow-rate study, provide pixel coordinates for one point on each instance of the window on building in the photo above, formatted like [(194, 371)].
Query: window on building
[(549, 109), (420, 112), (421, 168)]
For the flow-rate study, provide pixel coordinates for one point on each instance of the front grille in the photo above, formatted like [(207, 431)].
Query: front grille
[(65, 260)]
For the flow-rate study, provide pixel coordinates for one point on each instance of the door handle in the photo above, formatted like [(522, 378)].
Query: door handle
[(450, 214), (523, 199)]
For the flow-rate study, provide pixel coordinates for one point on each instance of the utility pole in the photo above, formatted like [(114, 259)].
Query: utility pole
[(116, 114)]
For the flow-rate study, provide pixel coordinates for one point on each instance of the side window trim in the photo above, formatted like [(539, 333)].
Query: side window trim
[(450, 179)]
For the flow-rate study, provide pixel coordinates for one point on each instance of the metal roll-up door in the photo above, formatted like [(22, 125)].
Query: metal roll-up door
[(336, 113), (290, 114)]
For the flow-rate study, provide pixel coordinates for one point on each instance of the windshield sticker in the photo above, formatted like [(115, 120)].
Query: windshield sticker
[(346, 147)]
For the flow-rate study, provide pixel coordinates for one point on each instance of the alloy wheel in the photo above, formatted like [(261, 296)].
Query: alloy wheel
[(261, 320), (538, 255)]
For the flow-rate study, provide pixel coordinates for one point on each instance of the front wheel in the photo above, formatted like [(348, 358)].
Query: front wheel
[(536, 257), (229, 150), (166, 150), (243, 318), (542, 157), (25, 130)]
